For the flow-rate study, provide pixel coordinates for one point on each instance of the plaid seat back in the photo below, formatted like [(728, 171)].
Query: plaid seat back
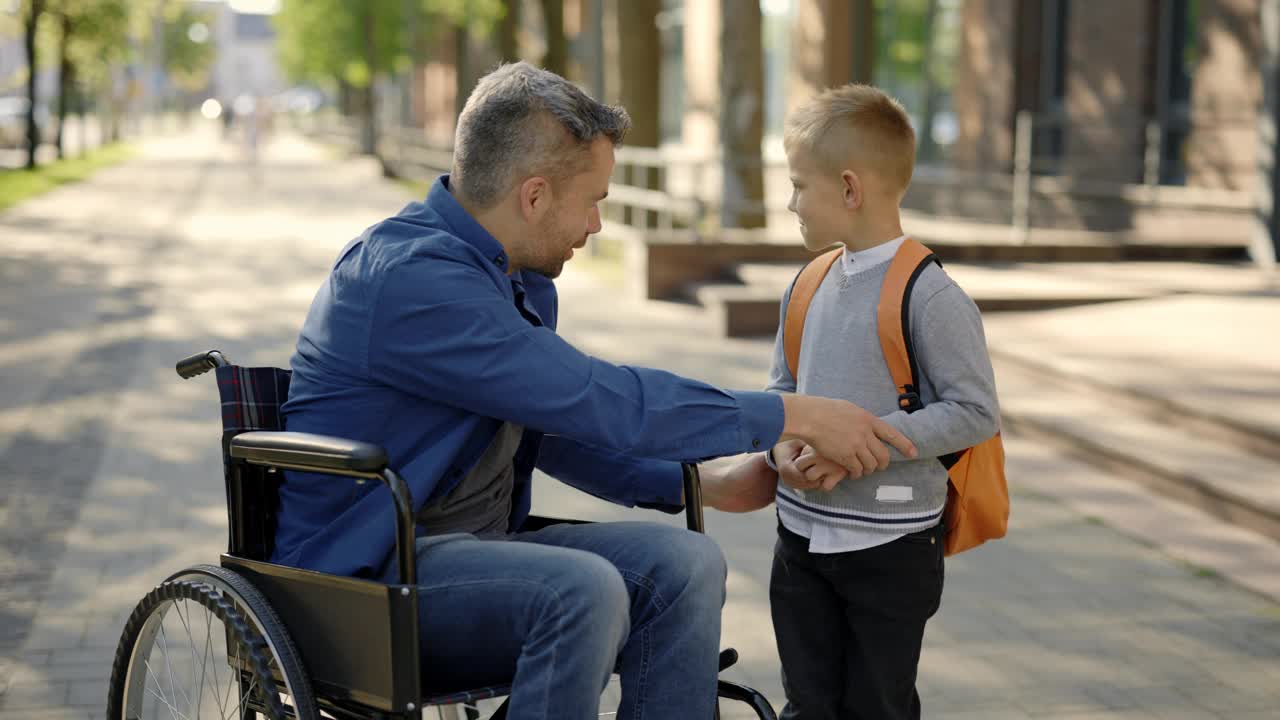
[(251, 398)]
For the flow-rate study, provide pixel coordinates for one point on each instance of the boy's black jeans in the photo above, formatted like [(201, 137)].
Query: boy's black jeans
[(850, 625)]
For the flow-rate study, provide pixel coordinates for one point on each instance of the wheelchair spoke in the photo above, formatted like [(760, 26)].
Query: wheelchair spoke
[(186, 625), (207, 656), (172, 709), (204, 665), (158, 695), (233, 681), (172, 683), (244, 696), (156, 683)]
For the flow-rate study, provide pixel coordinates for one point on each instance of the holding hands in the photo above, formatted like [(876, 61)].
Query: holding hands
[(804, 468), (826, 440)]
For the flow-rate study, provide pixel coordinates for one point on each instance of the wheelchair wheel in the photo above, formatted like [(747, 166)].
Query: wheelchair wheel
[(205, 644)]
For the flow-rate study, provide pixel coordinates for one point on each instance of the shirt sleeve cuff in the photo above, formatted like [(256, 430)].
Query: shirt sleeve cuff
[(768, 459), (760, 419), (667, 494)]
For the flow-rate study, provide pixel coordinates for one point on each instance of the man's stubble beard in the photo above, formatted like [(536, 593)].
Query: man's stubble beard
[(550, 267)]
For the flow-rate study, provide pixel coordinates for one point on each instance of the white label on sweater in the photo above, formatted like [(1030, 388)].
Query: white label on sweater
[(893, 493)]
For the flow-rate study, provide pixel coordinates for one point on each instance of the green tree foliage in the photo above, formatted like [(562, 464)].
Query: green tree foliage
[(89, 35), (187, 58), (352, 42)]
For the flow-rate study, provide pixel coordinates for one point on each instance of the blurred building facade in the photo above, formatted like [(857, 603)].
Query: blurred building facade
[(1099, 81), (1155, 92), (246, 57)]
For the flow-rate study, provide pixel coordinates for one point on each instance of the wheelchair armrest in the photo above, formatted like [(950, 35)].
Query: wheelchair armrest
[(337, 456), (304, 451)]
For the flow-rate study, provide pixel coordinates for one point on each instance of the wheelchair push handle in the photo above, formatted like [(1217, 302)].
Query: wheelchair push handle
[(200, 363)]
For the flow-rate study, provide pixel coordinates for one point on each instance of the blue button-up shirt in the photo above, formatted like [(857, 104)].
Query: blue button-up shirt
[(421, 342)]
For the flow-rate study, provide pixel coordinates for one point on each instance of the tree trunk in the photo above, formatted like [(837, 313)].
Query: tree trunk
[(65, 73), (864, 37), (591, 47), (508, 29), (33, 132), (741, 115), (1264, 247), (928, 149), (369, 128), (640, 59), (640, 56), (110, 131), (82, 105), (345, 106), (461, 68), (557, 56)]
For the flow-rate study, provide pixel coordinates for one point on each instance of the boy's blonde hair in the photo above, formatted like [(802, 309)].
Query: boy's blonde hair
[(855, 126)]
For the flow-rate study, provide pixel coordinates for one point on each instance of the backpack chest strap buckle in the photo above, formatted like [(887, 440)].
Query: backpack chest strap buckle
[(909, 399)]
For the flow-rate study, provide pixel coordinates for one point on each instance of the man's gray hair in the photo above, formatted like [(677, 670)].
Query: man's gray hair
[(520, 121)]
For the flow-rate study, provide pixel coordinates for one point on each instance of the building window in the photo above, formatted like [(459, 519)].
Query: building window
[(917, 45), (1178, 52)]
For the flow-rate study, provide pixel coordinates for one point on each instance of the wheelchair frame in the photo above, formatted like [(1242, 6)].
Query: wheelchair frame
[(373, 668)]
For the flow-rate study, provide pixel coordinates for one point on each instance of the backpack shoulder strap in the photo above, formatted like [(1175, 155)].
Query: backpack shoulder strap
[(802, 292), (893, 319)]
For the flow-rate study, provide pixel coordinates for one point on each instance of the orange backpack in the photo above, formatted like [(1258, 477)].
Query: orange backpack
[(977, 493)]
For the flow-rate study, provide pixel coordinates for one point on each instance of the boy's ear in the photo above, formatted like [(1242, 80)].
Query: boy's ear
[(852, 189)]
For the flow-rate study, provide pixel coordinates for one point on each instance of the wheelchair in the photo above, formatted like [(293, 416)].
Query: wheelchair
[(249, 638)]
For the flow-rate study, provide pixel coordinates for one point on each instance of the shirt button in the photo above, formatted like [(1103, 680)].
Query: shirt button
[(497, 259), (755, 443)]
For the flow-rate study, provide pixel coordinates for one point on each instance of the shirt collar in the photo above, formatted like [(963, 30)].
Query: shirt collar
[(857, 261), (464, 226)]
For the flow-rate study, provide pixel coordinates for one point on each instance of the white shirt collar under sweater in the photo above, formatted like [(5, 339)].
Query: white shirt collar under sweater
[(855, 262)]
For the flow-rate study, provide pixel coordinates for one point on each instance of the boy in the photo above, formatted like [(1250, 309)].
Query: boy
[(858, 566)]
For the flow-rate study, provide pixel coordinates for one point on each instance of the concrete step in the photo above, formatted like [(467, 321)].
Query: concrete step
[(1061, 279), (662, 263), (737, 310), (1227, 471), (991, 289), (747, 302)]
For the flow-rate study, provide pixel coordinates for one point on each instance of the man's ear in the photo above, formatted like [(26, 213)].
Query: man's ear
[(852, 189), (535, 198)]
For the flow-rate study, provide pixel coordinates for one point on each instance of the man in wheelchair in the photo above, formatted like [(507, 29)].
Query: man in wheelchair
[(434, 337)]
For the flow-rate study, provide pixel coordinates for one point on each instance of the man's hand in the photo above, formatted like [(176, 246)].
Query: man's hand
[(819, 471), (747, 486), (843, 432)]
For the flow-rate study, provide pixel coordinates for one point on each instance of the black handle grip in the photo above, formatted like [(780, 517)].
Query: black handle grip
[(728, 658), (199, 364)]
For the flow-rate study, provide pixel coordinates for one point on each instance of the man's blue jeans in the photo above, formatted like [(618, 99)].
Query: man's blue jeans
[(561, 608)]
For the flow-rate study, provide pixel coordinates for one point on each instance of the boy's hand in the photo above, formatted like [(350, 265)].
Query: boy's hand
[(785, 455), (745, 487), (819, 471), (843, 432)]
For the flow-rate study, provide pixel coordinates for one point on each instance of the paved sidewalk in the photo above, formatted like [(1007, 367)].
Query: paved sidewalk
[(1068, 617)]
